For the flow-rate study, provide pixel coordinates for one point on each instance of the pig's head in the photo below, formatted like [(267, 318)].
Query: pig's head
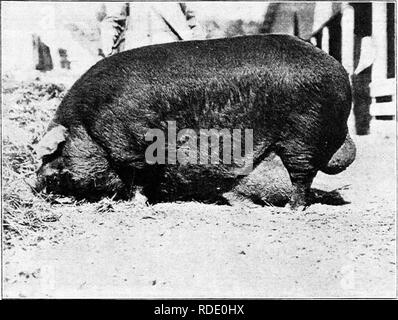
[(74, 165)]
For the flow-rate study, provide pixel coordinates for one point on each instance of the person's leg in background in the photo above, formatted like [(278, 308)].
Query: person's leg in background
[(197, 31), (112, 18), (160, 22)]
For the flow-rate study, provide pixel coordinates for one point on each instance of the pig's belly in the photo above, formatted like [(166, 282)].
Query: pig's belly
[(196, 182)]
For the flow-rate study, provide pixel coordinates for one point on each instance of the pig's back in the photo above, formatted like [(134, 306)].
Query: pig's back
[(249, 82)]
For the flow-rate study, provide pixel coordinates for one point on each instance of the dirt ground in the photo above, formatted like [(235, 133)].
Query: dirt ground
[(130, 250)]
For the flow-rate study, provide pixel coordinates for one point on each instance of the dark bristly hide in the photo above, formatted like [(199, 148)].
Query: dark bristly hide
[(295, 97)]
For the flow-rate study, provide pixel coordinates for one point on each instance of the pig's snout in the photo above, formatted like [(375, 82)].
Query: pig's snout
[(46, 176)]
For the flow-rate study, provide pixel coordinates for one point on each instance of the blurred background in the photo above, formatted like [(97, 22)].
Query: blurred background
[(61, 40)]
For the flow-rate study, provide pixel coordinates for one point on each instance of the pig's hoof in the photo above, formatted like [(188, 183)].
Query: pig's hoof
[(140, 200), (299, 200), (295, 207)]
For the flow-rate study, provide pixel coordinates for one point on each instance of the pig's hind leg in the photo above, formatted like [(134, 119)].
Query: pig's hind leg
[(300, 162)]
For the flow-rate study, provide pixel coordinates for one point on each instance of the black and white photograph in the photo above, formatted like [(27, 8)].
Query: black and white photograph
[(198, 150)]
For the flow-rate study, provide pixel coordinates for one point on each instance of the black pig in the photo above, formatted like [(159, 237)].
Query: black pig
[(295, 98)]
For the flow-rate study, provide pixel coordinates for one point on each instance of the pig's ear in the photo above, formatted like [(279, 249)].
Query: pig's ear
[(49, 143)]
